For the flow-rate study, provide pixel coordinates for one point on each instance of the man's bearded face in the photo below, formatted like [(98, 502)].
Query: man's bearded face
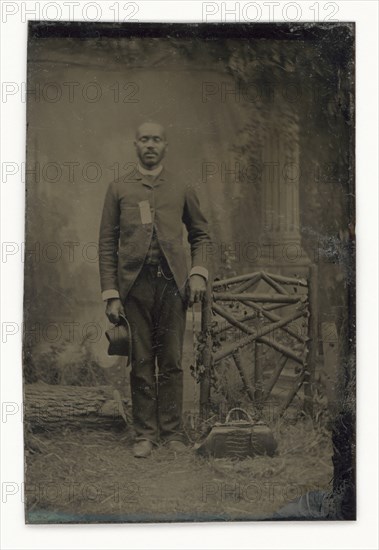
[(150, 144)]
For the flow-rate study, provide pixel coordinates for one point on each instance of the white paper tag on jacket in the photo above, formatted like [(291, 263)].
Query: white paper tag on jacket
[(144, 208)]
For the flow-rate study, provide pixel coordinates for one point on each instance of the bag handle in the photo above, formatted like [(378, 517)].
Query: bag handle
[(239, 410)]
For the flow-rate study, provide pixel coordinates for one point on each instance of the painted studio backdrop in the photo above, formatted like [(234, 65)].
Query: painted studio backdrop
[(261, 124)]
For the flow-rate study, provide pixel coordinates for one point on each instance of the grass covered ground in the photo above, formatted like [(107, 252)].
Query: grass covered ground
[(92, 476)]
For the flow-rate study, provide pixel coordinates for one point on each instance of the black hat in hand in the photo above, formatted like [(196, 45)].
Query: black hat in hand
[(120, 339)]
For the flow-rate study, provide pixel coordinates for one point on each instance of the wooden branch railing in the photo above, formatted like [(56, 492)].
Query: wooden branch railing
[(259, 306), (276, 298), (274, 317), (205, 386), (254, 334)]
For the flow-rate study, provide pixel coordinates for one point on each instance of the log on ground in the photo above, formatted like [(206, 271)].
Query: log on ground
[(48, 407)]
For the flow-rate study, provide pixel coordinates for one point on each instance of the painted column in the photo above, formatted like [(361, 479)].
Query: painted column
[(280, 237)]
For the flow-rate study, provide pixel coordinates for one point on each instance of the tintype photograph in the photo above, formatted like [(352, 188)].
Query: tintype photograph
[(189, 289)]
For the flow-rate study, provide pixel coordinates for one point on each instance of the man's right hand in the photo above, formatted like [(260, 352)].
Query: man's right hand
[(114, 310)]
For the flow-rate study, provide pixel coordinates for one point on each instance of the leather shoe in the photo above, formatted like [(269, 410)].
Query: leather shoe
[(177, 446), (142, 449)]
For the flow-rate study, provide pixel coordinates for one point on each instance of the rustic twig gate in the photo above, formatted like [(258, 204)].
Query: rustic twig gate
[(249, 303)]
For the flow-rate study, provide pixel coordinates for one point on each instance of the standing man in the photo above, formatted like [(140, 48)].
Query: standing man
[(144, 276)]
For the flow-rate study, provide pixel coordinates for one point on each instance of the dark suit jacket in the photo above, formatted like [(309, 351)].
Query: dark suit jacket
[(124, 239)]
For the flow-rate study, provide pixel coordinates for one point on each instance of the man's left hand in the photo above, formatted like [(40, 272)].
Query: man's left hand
[(197, 289)]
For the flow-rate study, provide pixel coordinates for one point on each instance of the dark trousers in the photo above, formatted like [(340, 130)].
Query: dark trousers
[(157, 315)]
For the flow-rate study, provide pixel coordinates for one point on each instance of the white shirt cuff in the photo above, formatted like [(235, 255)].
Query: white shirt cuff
[(199, 270), (109, 294)]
